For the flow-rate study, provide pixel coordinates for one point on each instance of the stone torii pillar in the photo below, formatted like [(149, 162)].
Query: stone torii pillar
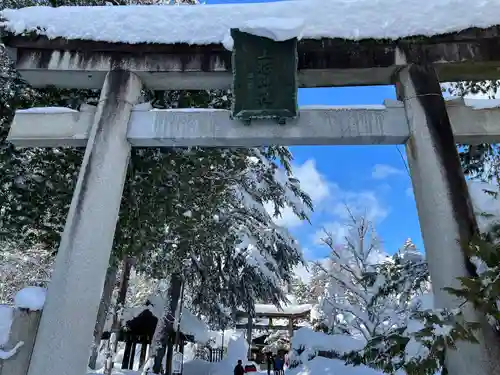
[(445, 211), (65, 333)]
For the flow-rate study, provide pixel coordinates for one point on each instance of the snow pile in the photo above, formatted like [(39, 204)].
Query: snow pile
[(237, 349), (6, 316), (219, 339), (116, 372), (9, 353), (206, 24), (5, 323), (277, 29), (31, 298), (197, 367), (312, 341), (52, 110), (191, 325), (325, 366), (482, 103)]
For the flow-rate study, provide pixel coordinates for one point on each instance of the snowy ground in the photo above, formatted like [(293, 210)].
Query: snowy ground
[(118, 372), (318, 366), (325, 366)]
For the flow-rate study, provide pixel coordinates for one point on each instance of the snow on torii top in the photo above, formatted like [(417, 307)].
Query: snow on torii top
[(206, 24)]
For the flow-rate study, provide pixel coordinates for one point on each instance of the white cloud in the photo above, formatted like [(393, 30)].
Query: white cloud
[(382, 171), (409, 192), (359, 203), (334, 203), (313, 183), (344, 203), (336, 229)]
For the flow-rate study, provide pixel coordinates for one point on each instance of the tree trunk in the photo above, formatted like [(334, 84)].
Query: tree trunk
[(170, 355), (127, 264), (107, 293), (165, 326)]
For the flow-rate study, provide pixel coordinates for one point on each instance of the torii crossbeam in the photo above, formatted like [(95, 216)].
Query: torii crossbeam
[(474, 121), (103, 47)]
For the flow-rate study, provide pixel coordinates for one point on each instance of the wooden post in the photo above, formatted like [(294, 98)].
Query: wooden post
[(24, 329), (126, 354), (144, 352), (69, 315), (132, 356), (445, 212), (249, 336), (290, 327)]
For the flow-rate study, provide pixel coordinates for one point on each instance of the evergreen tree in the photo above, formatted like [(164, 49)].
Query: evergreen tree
[(302, 292), (20, 268), (236, 253), (348, 303), (480, 160), (162, 184)]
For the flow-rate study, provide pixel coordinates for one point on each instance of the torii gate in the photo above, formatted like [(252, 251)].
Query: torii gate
[(421, 120)]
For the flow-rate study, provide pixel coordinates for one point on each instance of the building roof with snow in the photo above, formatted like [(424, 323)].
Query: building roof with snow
[(210, 24)]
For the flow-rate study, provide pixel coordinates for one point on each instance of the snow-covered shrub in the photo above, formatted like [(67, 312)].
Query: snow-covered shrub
[(417, 347), (23, 267)]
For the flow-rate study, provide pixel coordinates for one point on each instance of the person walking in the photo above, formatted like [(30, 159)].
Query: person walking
[(239, 370), (278, 366), (270, 363)]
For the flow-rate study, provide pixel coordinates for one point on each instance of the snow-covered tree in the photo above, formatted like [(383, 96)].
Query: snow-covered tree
[(479, 161), (405, 276), (349, 300), (302, 291), (385, 303), (416, 342), (418, 345), (277, 340), (240, 256), (483, 289)]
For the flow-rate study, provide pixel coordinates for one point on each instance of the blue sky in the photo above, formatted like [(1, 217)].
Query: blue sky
[(371, 178), (368, 178)]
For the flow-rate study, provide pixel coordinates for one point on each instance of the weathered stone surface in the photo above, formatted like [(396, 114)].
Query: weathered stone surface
[(323, 125), (473, 54)]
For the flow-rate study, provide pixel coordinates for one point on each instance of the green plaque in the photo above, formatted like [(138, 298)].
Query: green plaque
[(264, 78)]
